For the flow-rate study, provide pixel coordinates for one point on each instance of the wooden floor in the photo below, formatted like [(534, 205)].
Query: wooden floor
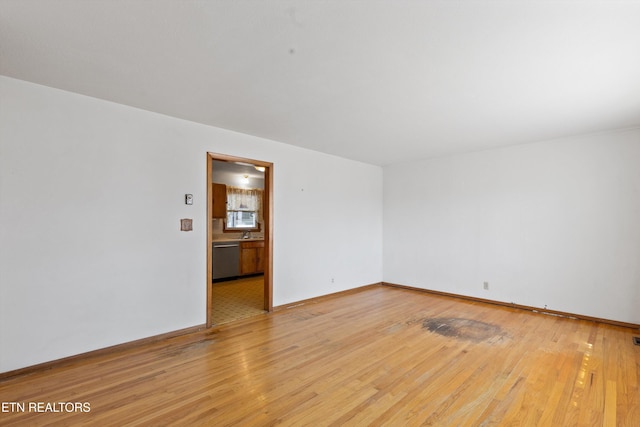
[(381, 356)]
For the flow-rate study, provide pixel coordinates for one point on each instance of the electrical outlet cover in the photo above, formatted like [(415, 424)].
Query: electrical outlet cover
[(186, 224)]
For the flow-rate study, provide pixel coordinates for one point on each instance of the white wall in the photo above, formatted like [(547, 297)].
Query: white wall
[(91, 194), (553, 224)]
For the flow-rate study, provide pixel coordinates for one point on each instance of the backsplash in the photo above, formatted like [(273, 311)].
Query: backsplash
[(219, 234)]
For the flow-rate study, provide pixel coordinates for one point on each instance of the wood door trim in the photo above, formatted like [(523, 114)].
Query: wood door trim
[(268, 237), (268, 228), (209, 219)]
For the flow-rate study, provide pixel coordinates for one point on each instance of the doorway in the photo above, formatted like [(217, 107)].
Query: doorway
[(248, 287)]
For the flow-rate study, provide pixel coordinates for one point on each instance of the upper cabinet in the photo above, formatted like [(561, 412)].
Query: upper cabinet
[(219, 200)]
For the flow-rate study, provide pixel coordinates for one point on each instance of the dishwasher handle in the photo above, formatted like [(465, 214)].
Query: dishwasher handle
[(226, 246)]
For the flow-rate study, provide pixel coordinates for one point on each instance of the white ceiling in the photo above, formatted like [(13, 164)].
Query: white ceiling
[(377, 81), (231, 173)]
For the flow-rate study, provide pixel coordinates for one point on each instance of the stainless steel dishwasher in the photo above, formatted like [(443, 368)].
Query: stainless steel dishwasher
[(226, 259)]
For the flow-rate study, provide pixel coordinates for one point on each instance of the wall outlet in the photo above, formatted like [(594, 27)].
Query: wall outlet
[(485, 286), (186, 224), (333, 280)]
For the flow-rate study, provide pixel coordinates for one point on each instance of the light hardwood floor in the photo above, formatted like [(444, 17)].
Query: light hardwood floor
[(379, 356)]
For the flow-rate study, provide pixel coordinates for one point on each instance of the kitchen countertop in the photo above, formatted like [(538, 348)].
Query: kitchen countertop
[(252, 239)]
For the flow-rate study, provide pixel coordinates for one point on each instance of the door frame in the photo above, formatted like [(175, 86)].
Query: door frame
[(268, 228)]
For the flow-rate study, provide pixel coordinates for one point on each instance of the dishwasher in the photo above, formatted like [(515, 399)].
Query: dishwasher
[(226, 260)]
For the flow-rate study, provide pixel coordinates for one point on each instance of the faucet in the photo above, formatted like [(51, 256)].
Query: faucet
[(246, 234)]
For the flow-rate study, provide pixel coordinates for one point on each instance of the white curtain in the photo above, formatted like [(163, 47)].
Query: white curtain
[(245, 199)]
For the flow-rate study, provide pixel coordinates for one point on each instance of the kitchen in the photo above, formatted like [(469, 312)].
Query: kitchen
[(238, 246)]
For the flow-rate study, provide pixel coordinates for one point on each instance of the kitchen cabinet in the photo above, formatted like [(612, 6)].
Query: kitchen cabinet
[(252, 257), (219, 201)]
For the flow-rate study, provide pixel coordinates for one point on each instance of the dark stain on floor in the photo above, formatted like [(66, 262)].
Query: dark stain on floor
[(466, 329)]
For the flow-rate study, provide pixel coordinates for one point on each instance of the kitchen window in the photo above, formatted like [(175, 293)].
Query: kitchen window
[(242, 219), (244, 209)]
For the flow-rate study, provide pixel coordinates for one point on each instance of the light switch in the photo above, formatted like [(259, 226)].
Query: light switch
[(188, 199)]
